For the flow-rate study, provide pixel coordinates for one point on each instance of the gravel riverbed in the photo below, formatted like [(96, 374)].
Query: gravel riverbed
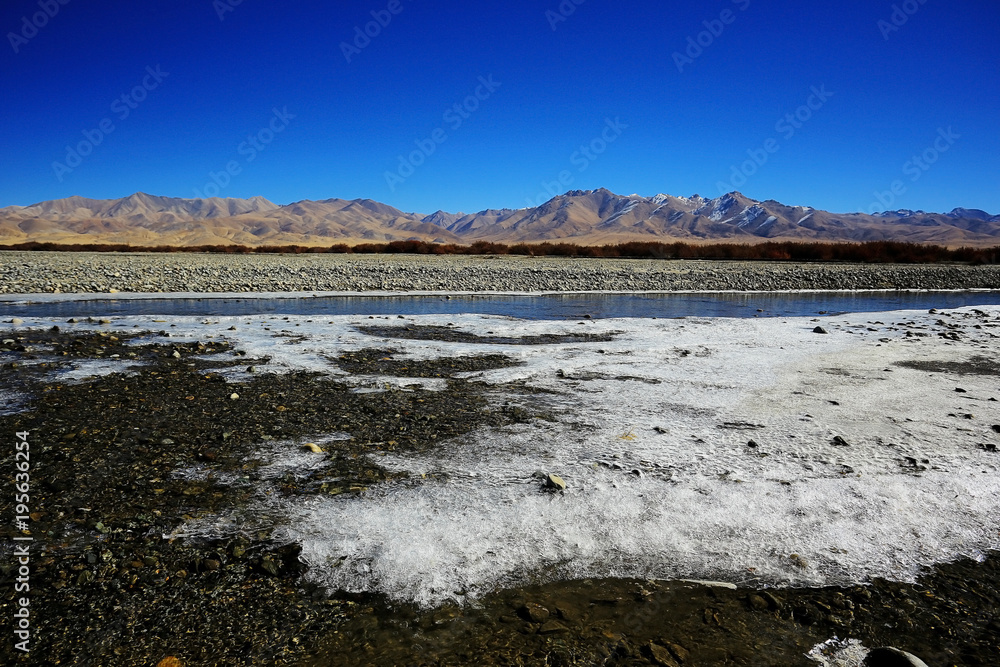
[(40, 272)]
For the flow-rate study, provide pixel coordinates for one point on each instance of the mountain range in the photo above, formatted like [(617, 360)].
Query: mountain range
[(584, 217)]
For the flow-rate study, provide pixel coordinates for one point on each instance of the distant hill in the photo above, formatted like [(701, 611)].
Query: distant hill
[(584, 217)]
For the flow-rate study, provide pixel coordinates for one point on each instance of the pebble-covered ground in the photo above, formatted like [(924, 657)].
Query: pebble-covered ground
[(38, 272)]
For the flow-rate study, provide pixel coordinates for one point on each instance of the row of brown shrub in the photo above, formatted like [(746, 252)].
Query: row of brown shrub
[(884, 252)]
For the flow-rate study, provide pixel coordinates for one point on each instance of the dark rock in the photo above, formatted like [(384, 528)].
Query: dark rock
[(552, 627), (773, 601), (660, 655), (567, 614), (996, 428), (534, 613), (959, 390), (679, 652), (892, 657), (840, 442), (820, 330)]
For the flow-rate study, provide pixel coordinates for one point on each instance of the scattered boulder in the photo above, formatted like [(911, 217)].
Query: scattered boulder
[(840, 442), (820, 330), (996, 428), (17, 321), (892, 657), (312, 447)]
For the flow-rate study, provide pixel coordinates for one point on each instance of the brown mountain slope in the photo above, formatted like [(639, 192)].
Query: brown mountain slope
[(581, 216)]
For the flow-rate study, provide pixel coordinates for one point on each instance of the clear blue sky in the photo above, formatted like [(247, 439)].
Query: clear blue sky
[(683, 125)]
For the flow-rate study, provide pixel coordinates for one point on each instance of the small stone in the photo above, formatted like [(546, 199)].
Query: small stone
[(996, 428), (568, 614), (892, 657), (773, 601), (552, 627), (17, 321), (959, 390), (752, 444), (757, 603), (312, 447), (170, 661), (679, 652), (820, 330), (233, 397), (535, 613), (840, 442), (555, 482), (176, 355), (269, 565), (660, 655), (251, 369)]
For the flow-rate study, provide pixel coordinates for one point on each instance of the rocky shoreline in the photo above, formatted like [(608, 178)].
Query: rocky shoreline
[(51, 272)]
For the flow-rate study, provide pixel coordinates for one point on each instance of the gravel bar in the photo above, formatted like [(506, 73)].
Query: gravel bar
[(53, 272)]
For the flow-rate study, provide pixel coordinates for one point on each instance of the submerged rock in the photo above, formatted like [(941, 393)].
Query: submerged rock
[(534, 613)]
